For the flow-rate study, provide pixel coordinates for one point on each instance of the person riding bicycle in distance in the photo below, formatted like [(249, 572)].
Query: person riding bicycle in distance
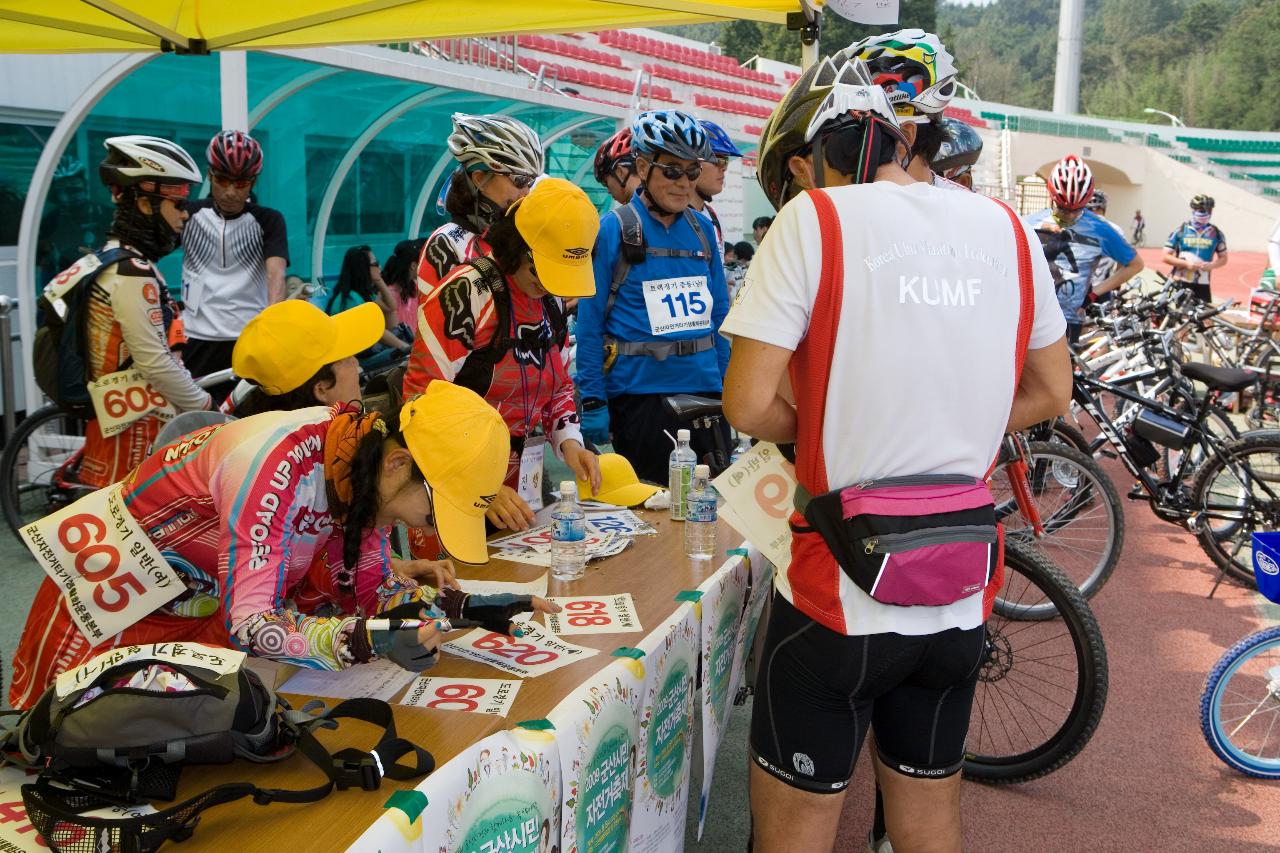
[(650, 330)]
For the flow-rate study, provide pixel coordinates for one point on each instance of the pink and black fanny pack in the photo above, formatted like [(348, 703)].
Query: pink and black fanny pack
[(916, 540)]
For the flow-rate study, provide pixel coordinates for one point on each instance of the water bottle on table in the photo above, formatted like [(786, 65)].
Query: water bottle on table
[(700, 517), (568, 535), (680, 474)]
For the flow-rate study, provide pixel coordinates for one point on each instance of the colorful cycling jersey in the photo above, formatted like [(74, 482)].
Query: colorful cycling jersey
[(448, 246), (662, 299), (125, 327), (528, 383), (1190, 241), (1074, 252)]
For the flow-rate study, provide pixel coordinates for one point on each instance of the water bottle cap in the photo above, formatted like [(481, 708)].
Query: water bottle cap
[(568, 487), (701, 471), (682, 435)]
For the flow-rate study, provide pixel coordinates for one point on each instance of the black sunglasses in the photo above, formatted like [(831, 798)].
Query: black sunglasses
[(672, 172)]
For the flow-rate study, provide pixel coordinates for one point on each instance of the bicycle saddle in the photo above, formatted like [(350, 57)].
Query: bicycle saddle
[(1222, 378), (689, 407)]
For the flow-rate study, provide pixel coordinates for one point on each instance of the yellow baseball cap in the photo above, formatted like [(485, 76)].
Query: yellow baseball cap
[(618, 483), (290, 341), (559, 223), (461, 445)]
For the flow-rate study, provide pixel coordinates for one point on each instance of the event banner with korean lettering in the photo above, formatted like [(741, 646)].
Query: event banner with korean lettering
[(597, 735), (501, 795), (758, 593), (666, 734), (723, 595)]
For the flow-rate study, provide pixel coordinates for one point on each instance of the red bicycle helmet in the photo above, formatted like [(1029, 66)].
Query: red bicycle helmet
[(1070, 183), (614, 151), (235, 154)]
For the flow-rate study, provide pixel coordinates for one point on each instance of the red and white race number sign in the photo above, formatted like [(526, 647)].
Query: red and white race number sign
[(471, 695), (539, 539), (123, 397), (109, 572), (600, 614), (759, 490), (537, 652)]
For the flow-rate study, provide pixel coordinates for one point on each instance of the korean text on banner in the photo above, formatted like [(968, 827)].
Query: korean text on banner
[(666, 734), (109, 572), (219, 660), (874, 12), (492, 696), (537, 652), (759, 489), (596, 731)]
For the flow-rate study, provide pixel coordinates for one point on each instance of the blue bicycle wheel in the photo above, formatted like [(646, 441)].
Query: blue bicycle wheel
[(1240, 707)]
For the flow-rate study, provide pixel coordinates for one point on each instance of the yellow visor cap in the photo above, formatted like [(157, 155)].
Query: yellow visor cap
[(290, 341), (618, 483), (461, 445), (559, 223)]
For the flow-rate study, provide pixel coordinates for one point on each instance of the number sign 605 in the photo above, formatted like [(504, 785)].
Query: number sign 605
[(98, 561)]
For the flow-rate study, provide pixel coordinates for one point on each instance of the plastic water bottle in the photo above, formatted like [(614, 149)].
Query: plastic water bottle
[(743, 446), (680, 474), (700, 517), (568, 535)]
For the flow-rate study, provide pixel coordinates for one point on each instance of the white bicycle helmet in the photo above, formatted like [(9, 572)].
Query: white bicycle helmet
[(914, 66), (854, 100), (495, 143), (1070, 183), (134, 160)]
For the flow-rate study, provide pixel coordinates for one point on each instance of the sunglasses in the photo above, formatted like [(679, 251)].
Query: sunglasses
[(521, 181), (718, 162), (431, 513), (672, 172), (224, 181)]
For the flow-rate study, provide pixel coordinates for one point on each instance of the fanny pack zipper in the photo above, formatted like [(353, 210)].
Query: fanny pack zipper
[(888, 543), (919, 480)]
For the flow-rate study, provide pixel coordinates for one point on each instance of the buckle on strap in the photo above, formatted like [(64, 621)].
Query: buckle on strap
[(365, 771)]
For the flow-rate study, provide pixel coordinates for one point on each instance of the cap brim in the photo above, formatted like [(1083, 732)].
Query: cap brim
[(462, 535), (632, 494), (358, 329), (563, 280)]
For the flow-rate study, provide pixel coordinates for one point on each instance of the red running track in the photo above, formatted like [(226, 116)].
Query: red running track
[(1147, 781), (1233, 281)]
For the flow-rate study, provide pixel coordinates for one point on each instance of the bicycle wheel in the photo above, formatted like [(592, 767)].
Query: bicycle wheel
[(1237, 492), (29, 481), (1081, 512), (1240, 706), (1043, 685)]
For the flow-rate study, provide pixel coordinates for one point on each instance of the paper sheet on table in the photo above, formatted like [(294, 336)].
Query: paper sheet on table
[(611, 545), (539, 539), (623, 522), (380, 679), (492, 696), (486, 587), (594, 614), (537, 652)]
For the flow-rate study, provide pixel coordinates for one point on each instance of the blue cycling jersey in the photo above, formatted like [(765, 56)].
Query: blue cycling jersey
[(1073, 254), (1202, 241), (661, 299)]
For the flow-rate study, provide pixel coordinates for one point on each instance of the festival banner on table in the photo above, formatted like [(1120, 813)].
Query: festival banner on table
[(537, 652), (598, 740), (759, 490), (758, 594), (723, 596), (472, 695), (500, 794), (594, 614), (666, 734)]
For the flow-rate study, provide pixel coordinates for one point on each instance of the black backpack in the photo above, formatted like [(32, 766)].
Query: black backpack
[(59, 355)]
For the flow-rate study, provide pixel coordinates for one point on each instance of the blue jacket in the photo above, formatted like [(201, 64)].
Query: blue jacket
[(630, 318), (1076, 251)]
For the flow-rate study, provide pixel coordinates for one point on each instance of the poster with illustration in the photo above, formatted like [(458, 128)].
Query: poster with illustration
[(666, 734), (596, 733), (723, 596), (757, 595), (501, 794)]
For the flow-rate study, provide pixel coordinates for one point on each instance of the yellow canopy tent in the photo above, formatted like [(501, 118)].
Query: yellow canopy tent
[(200, 26)]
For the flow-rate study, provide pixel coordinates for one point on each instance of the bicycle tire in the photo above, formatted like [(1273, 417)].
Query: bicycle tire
[(1238, 563), (1076, 497), (1212, 702), (1028, 569), (11, 490)]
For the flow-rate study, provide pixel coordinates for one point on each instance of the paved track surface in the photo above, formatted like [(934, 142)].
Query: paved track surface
[(1233, 281)]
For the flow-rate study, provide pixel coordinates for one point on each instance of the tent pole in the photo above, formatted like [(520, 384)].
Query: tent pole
[(234, 85)]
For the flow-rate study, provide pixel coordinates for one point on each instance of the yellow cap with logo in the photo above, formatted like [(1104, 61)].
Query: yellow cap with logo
[(290, 341), (559, 223), (618, 483), (461, 445)]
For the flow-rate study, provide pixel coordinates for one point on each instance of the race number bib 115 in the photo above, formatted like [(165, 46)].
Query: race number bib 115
[(109, 572), (123, 397), (678, 304)]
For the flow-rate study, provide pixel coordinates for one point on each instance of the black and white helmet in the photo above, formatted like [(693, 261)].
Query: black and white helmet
[(133, 160), (495, 143)]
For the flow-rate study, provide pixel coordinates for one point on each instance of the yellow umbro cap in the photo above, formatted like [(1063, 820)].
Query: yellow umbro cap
[(618, 483), (290, 341), (559, 223)]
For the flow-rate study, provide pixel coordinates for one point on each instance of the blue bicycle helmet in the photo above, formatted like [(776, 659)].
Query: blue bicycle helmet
[(721, 144), (672, 131)]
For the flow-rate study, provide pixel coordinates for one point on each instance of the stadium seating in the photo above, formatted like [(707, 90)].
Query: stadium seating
[(569, 51)]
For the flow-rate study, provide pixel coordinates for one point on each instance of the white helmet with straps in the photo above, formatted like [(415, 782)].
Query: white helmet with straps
[(914, 66), (853, 93), (136, 159), (495, 143)]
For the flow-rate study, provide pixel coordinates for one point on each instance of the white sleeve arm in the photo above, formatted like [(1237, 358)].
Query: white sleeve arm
[(142, 326)]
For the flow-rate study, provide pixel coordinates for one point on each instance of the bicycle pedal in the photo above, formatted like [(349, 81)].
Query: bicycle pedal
[(1137, 492), (1106, 454)]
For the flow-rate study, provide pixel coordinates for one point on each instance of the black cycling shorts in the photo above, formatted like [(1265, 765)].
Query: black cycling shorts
[(818, 691)]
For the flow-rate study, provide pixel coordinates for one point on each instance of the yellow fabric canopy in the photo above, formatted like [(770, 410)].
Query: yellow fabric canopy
[(198, 26)]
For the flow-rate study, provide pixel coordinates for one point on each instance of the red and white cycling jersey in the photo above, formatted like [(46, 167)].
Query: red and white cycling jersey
[(240, 510), (446, 248)]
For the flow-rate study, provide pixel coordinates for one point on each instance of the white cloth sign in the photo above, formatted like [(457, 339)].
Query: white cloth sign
[(471, 695), (379, 679), (530, 485), (875, 12), (760, 490), (219, 660), (678, 304), (537, 652), (123, 397), (484, 587), (594, 614), (110, 573)]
